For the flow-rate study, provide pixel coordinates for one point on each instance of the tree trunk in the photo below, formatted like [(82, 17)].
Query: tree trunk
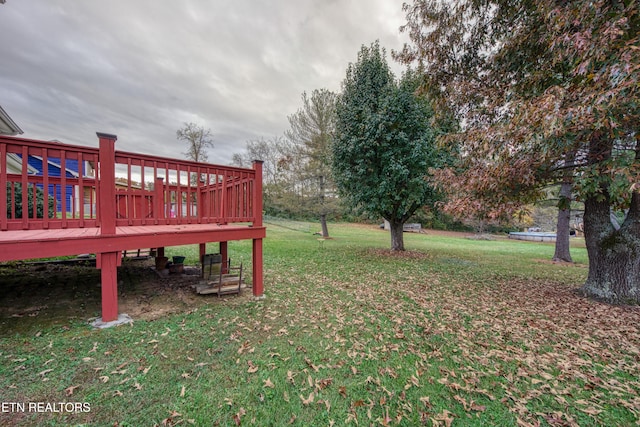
[(397, 236), (323, 224), (323, 214), (614, 255), (563, 226)]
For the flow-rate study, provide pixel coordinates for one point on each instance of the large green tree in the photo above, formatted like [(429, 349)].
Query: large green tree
[(311, 132), (547, 91), (384, 145)]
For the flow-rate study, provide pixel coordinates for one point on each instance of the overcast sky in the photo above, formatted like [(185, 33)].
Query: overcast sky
[(140, 69)]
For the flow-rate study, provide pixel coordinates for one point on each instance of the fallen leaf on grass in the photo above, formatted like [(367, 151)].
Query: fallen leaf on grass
[(169, 421), (358, 404), (324, 383), (252, 368), (245, 348), (462, 400), (268, 383), (445, 416), (308, 400), (476, 407), (591, 410), (311, 365), (413, 381), (546, 376), (443, 381), (71, 389), (342, 390), (125, 380), (45, 372), (238, 416), (522, 423), (326, 403)]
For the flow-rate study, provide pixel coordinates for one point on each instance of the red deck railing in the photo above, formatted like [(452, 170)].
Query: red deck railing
[(54, 185)]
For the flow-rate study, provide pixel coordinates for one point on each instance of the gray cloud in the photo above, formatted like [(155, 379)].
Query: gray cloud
[(141, 68)]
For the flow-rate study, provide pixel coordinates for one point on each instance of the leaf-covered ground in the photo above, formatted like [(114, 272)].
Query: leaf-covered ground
[(452, 332)]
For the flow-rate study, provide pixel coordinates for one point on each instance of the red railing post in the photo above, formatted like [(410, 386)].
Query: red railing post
[(107, 183), (257, 193), (158, 200), (5, 203), (108, 262), (258, 279), (223, 199)]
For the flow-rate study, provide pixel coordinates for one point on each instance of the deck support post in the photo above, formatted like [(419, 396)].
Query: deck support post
[(108, 262), (108, 265), (224, 254), (203, 251), (258, 279), (258, 288)]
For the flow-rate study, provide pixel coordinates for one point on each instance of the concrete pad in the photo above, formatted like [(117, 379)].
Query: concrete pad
[(121, 320)]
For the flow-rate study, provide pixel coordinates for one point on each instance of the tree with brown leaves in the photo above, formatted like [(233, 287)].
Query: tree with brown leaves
[(545, 89)]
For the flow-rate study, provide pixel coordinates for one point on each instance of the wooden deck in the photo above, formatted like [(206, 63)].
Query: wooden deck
[(67, 200), (18, 245)]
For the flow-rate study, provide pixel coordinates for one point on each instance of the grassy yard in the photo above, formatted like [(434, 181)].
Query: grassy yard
[(455, 332)]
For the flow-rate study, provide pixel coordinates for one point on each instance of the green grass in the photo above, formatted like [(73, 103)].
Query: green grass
[(477, 332)]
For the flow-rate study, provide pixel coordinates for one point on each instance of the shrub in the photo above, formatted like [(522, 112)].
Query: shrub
[(17, 197)]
